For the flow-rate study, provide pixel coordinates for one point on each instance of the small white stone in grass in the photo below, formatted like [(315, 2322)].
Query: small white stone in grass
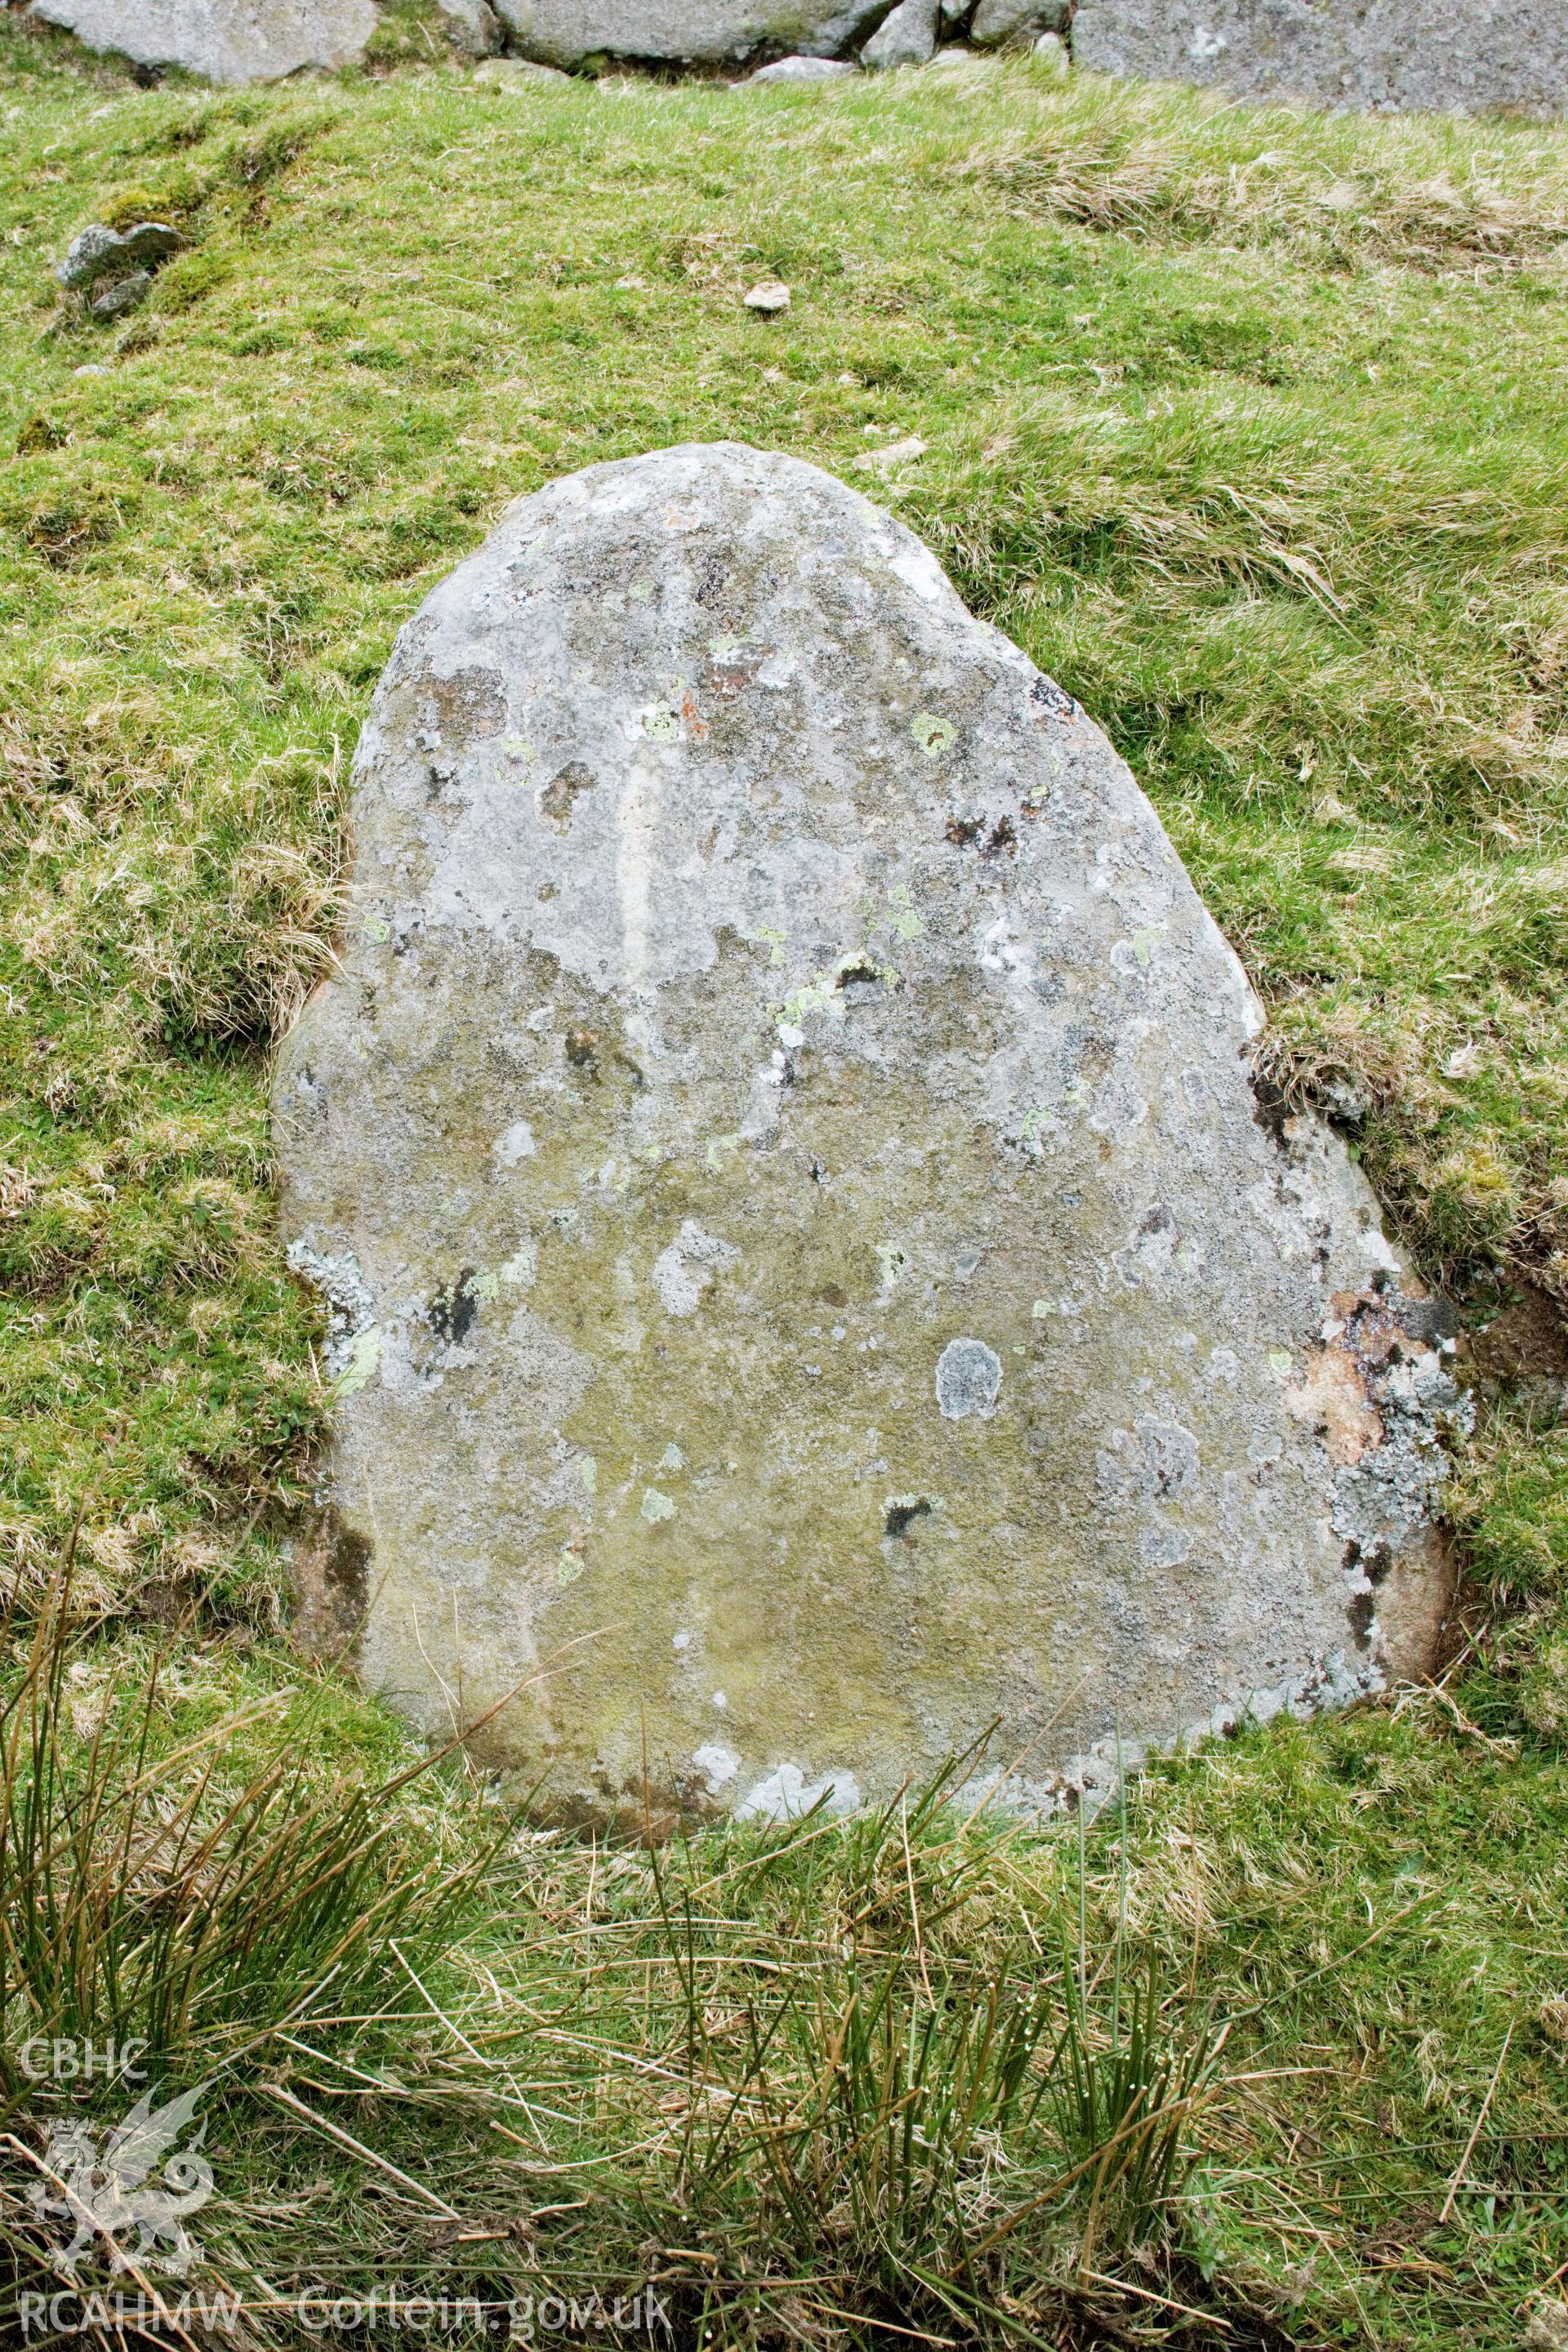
[(770, 297), (517, 73), (631, 285), (1050, 51), (884, 461), (802, 70)]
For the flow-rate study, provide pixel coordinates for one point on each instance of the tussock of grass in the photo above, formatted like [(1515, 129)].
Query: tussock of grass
[(190, 1888), (1416, 193), (1251, 427)]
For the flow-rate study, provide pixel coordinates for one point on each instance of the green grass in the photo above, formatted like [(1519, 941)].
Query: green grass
[(1252, 429)]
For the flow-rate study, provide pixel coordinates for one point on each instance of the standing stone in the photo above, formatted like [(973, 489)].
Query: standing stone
[(1461, 57), (227, 41), (907, 37), (807, 1275), (567, 33)]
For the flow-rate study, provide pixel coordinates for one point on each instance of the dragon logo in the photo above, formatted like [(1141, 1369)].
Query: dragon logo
[(100, 2179)]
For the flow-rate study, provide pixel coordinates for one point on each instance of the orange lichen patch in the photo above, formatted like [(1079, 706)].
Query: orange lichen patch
[(1414, 1602), (1331, 1397)]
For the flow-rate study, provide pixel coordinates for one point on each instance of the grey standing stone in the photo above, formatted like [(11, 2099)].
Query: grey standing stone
[(227, 41), (998, 21), (906, 37), (1461, 57), (684, 32), (806, 1273)]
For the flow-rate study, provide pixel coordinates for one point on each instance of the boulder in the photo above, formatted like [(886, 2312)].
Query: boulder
[(1023, 21), (1461, 57), (802, 70), (102, 252), (125, 294), (906, 37), (567, 33), (518, 74), (807, 1275), (227, 41), (473, 26)]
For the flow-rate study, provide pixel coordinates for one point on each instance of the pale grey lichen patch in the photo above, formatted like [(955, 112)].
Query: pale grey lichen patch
[(350, 1309), (683, 1271), (718, 1765), (1392, 1491), (788, 1793), (515, 1144), (968, 1379)]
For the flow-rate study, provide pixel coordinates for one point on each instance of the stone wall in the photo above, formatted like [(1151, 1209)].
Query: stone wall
[(1458, 57), (1463, 56)]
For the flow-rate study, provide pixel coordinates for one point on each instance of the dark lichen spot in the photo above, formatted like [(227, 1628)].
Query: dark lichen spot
[(1374, 1565), (333, 1589), (969, 833), (454, 1308), (831, 1295), (1362, 1612), (582, 1049), (901, 1517), (348, 1573), (563, 791), (1051, 700), (1271, 1107)]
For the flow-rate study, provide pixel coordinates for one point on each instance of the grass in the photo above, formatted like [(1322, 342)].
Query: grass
[(1251, 427)]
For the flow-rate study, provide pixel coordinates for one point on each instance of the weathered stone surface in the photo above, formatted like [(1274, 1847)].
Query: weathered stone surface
[(102, 252), (1461, 57), (227, 41), (802, 70), (520, 74), (998, 21), (906, 37), (780, 1158), (473, 26), (125, 294), (691, 32)]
